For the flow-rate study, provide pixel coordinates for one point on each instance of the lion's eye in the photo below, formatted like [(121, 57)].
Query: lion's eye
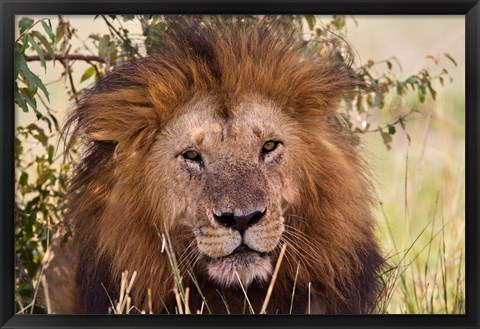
[(270, 146), (192, 155)]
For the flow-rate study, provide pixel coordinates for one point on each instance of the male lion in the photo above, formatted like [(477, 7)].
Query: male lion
[(222, 143)]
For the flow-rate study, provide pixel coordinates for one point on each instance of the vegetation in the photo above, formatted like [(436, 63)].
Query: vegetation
[(426, 257)]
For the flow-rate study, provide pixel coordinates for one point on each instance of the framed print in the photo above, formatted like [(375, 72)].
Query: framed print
[(239, 164)]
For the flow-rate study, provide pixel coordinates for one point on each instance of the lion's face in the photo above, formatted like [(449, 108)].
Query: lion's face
[(231, 176)]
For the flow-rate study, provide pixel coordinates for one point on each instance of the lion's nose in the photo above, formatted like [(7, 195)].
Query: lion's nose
[(239, 222)]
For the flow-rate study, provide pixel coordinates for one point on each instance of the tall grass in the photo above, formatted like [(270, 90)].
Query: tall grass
[(421, 213)]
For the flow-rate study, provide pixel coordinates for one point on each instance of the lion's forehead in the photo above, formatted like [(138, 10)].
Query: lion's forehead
[(251, 122)]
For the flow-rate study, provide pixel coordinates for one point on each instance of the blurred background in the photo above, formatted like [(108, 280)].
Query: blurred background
[(409, 125)]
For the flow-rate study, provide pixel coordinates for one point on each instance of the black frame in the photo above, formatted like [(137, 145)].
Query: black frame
[(469, 8)]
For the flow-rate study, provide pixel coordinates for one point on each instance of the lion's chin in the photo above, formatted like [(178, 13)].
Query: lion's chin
[(249, 266)]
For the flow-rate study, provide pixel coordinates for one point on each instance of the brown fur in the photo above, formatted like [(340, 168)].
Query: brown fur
[(116, 201)]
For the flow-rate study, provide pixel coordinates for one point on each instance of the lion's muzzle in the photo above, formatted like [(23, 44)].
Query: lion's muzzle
[(238, 222)]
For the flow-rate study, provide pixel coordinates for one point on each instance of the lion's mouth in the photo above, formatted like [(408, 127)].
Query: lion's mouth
[(243, 250), (243, 265)]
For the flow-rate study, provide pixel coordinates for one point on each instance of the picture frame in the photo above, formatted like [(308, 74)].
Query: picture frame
[(469, 8)]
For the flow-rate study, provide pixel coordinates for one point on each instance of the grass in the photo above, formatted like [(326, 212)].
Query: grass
[(124, 304), (421, 213)]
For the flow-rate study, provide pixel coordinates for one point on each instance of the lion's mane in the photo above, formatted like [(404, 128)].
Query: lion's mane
[(110, 204)]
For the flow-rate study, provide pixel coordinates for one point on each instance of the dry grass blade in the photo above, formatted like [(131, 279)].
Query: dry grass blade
[(195, 282), (274, 278), (178, 299), (124, 300), (150, 306), (244, 292), (309, 297), (294, 286), (47, 296), (187, 296)]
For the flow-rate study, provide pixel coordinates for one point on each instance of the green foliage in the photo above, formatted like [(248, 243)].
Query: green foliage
[(42, 175), (39, 204)]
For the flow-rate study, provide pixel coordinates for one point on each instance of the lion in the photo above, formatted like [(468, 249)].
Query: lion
[(223, 145)]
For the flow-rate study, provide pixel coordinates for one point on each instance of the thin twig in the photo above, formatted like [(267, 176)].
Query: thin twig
[(394, 123), (80, 57), (113, 29), (70, 79)]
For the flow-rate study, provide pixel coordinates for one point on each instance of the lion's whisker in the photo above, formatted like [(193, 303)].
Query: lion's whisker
[(304, 254), (297, 246), (302, 219), (294, 249), (185, 262), (186, 252), (301, 235)]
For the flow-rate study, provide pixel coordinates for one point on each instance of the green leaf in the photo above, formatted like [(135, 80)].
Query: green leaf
[(19, 58), (38, 50), (47, 120), (400, 89), (32, 78), (30, 93), (391, 130), (29, 96), (422, 91), (59, 33), (24, 24), (44, 176), (48, 29), (18, 147), (55, 121), (432, 91), (23, 181), (387, 139), (311, 21), (127, 18), (38, 133), (24, 44), (45, 43), (88, 73), (21, 101), (103, 45), (451, 59), (24, 289), (51, 152), (411, 80), (38, 114)]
